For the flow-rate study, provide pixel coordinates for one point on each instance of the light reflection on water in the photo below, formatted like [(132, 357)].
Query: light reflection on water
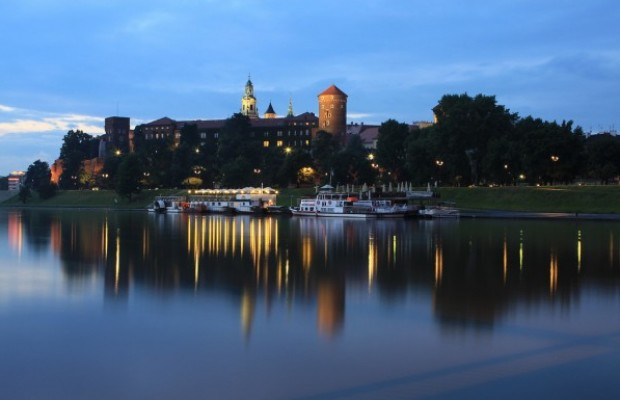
[(304, 307)]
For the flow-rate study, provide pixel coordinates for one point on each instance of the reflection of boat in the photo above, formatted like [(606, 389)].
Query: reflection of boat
[(439, 212), (328, 203)]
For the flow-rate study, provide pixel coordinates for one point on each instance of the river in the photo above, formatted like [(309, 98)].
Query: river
[(128, 305)]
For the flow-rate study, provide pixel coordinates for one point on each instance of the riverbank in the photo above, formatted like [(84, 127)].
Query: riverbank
[(564, 201)]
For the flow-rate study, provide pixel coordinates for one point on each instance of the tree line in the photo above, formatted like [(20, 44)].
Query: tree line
[(474, 141)]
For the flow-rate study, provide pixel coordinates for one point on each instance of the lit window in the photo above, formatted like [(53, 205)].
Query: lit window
[(307, 143), (279, 143), (265, 143)]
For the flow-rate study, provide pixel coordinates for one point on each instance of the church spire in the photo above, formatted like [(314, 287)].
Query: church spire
[(290, 108)]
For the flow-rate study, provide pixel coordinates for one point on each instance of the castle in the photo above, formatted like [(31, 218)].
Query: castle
[(289, 131)]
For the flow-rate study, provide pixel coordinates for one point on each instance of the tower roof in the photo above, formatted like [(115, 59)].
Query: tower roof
[(270, 109), (333, 90)]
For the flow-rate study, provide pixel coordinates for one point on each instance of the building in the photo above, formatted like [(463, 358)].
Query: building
[(16, 178), (248, 101), (117, 136), (333, 111), (291, 131)]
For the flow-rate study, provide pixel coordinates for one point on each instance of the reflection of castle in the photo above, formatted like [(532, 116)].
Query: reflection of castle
[(472, 272)]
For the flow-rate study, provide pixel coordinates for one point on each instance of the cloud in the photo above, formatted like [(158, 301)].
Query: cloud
[(6, 109), (359, 115), (28, 121)]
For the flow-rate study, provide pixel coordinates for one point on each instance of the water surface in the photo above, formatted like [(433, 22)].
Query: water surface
[(128, 305)]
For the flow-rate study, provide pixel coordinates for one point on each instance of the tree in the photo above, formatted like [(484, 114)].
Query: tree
[(352, 165), (324, 150), (391, 151), (239, 151), (423, 152), (465, 127), (77, 146), (38, 178), (603, 157), (551, 152), (24, 194), (128, 176)]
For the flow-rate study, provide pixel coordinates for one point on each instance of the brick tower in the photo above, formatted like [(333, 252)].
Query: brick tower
[(333, 111)]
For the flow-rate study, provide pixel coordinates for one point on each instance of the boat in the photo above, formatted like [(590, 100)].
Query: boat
[(328, 203), (169, 204), (247, 200)]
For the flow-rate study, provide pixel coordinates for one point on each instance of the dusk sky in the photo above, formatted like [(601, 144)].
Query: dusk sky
[(68, 64)]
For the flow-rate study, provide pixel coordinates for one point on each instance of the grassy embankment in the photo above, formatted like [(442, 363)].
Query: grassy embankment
[(573, 199)]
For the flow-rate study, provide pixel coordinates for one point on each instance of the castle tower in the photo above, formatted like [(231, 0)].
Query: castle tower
[(269, 114), (333, 111), (248, 101), (290, 114)]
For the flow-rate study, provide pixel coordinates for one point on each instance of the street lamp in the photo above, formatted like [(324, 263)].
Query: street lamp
[(554, 158)]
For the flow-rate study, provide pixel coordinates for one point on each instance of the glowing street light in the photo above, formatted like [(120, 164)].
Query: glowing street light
[(554, 158)]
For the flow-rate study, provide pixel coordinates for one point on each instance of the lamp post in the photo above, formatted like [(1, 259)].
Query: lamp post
[(554, 160), (439, 164)]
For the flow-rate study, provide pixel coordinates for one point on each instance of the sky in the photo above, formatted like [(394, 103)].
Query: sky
[(69, 64)]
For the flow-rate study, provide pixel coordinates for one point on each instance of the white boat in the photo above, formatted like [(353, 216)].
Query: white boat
[(248, 200), (348, 205)]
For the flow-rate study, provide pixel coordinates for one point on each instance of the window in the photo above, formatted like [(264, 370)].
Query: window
[(216, 135), (279, 143), (307, 143), (265, 143), (203, 135)]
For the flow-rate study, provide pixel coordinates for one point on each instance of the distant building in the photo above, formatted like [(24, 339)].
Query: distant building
[(16, 178)]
